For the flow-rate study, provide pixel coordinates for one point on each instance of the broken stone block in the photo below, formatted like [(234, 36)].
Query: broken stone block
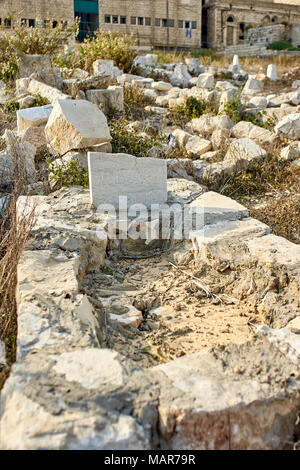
[(206, 80), (161, 86), (73, 86), (141, 180), (156, 110), (41, 66), (289, 126), (181, 137), (103, 67), (258, 134), (46, 91), (33, 117), (197, 146), (257, 102), (183, 191), (218, 208), (35, 136), (289, 153), (180, 77), (208, 124), (220, 139), (75, 124), (253, 86), (111, 99), (243, 151), (193, 66), (148, 60), (272, 72)]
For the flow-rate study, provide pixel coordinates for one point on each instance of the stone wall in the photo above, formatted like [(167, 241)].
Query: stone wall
[(265, 34), (36, 10), (295, 35), (147, 21), (228, 22)]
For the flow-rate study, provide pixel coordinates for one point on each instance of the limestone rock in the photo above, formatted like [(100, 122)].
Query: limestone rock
[(181, 137), (220, 139), (41, 67), (253, 86), (294, 325), (183, 191), (35, 136), (289, 126), (33, 117), (206, 80), (243, 151), (180, 77), (272, 72), (92, 368), (161, 86), (103, 67), (111, 99), (258, 134), (74, 125), (46, 91), (197, 146)]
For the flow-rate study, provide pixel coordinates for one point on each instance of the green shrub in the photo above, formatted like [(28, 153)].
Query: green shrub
[(124, 141), (279, 45), (39, 101), (39, 40), (111, 46), (194, 108), (11, 105), (68, 174)]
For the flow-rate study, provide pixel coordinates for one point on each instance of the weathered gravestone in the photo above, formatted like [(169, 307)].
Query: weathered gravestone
[(142, 180)]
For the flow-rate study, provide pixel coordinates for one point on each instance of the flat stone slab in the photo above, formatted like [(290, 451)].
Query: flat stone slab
[(33, 117), (141, 180), (183, 191), (218, 208)]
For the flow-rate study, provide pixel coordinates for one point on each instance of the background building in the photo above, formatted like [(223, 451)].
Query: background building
[(182, 24)]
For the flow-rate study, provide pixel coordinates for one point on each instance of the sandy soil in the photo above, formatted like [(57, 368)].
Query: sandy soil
[(178, 316)]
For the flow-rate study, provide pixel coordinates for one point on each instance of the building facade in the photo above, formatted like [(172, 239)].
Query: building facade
[(182, 24), (156, 23), (229, 23)]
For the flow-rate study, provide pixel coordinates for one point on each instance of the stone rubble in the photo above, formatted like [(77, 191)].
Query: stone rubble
[(67, 390)]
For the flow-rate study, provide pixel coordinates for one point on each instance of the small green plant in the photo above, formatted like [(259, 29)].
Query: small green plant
[(68, 174), (39, 101), (11, 105), (128, 142), (107, 45), (194, 108), (282, 46)]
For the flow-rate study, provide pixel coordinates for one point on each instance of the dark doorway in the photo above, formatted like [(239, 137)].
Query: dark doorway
[(88, 13)]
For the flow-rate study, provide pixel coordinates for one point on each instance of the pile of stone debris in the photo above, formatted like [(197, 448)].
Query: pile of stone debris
[(72, 389)]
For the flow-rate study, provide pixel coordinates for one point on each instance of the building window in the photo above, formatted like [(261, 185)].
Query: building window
[(31, 23), (23, 22), (7, 23), (54, 24), (157, 21), (107, 19), (133, 20), (140, 21), (148, 21), (194, 24), (187, 24), (167, 23), (230, 19), (115, 19), (122, 19)]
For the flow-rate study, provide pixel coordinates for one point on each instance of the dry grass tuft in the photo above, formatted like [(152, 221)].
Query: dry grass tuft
[(15, 229)]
